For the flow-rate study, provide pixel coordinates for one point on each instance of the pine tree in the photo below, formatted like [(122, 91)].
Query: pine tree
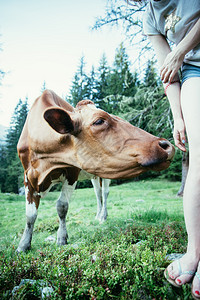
[(120, 81), (79, 90), (151, 78), (102, 90), (16, 125), (3, 169), (90, 87), (14, 169)]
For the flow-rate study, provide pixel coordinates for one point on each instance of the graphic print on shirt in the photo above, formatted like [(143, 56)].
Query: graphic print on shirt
[(171, 21)]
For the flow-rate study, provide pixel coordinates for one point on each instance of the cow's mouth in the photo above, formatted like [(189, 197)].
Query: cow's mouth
[(153, 162), (157, 165)]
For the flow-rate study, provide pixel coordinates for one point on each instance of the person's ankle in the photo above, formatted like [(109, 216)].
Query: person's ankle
[(193, 255)]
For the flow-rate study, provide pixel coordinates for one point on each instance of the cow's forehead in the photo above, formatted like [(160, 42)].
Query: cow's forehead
[(92, 106), (89, 108), (90, 112)]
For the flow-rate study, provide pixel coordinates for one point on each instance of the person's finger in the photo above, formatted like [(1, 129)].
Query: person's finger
[(171, 77), (182, 136), (162, 72), (183, 139), (166, 76), (181, 146), (180, 140), (162, 69)]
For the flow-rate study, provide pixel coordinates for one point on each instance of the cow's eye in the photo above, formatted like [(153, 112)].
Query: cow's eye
[(99, 122)]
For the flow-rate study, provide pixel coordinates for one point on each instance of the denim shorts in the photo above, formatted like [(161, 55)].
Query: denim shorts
[(189, 71)]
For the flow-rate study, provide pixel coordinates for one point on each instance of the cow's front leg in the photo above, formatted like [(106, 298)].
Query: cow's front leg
[(98, 193), (32, 203), (105, 193), (62, 208)]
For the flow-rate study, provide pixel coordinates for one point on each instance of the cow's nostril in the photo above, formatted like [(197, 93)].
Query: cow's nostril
[(164, 144)]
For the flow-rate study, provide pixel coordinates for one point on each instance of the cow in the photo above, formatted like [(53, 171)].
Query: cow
[(58, 141)]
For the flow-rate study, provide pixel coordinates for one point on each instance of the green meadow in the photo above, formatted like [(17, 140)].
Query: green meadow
[(123, 258)]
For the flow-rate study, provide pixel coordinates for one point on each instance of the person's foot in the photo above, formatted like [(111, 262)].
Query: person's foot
[(181, 271), (196, 284)]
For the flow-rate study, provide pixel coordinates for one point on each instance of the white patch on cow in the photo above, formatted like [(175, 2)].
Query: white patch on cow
[(92, 106), (83, 175), (26, 191), (101, 193), (31, 211), (105, 193), (53, 182), (31, 215), (26, 187), (67, 191), (25, 179), (98, 193)]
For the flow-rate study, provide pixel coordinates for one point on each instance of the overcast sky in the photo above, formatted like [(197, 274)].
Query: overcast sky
[(43, 40)]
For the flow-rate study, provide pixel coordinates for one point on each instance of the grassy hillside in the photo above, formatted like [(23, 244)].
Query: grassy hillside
[(124, 258)]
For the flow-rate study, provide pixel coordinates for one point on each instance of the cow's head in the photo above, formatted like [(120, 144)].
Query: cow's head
[(106, 145)]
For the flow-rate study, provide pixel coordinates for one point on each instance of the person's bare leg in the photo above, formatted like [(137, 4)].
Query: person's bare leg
[(190, 101)]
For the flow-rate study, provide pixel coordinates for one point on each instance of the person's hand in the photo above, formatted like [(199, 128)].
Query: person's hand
[(179, 134), (171, 65)]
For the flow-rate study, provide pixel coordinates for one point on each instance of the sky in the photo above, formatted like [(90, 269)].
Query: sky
[(43, 40)]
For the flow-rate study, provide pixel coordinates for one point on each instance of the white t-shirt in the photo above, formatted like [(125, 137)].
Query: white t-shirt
[(173, 19)]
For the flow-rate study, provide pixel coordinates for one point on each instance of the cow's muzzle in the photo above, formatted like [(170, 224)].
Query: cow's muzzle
[(168, 148), (162, 151)]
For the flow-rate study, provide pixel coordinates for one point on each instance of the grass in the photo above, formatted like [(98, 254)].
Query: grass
[(124, 258)]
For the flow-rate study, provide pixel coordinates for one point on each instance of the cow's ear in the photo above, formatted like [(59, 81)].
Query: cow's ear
[(60, 120)]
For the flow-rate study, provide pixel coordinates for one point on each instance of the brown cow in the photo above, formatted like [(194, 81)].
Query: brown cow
[(58, 141)]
